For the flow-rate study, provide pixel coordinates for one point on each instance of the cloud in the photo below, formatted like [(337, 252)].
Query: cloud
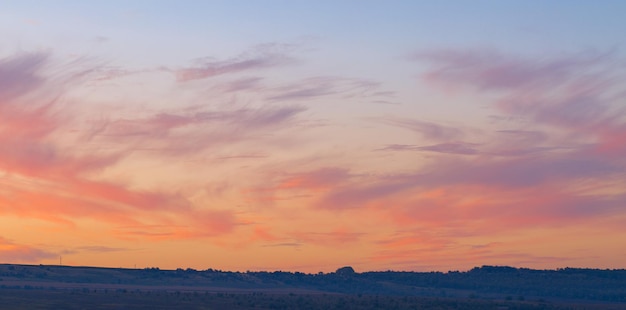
[(479, 210), (161, 125), (270, 117), (242, 156), (612, 142), (286, 244), (428, 130), (260, 57), (102, 39), (438, 225), (114, 205), (178, 134), (321, 86), (47, 180), (403, 247), (522, 171), (248, 83), (414, 239), (360, 196), (100, 249), (491, 70), (320, 178), (335, 238), (521, 143), (108, 73), (450, 148), (17, 253), (298, 185), (581, 110), (577, 92), (417, 249), (19, 74), (446, 148), (500, 173), (552, 163), (182, 224)]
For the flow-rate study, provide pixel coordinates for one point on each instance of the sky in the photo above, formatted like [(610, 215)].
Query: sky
[(310, 135)]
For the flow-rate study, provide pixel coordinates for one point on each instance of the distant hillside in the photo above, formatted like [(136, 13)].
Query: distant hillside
[(480, 282)]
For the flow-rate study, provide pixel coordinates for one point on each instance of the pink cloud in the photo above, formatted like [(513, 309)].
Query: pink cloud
[(57, 187), (475, 210), (264, 234), (181, 224), (301, 184), (612, 142), (18, 253)]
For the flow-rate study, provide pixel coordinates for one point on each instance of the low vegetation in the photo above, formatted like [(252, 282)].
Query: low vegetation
[(487, 287)]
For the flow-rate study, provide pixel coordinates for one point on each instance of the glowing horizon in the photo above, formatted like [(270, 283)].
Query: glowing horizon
[(309, 136)]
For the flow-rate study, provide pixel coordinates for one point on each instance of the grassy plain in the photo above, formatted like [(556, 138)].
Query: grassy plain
[(62, 287)]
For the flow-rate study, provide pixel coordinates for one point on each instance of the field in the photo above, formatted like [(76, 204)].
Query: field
[(51, 298), (63, 287)]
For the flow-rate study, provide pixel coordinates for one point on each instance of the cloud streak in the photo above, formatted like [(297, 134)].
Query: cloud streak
[(446, 148), (12, 252), (428, 130), (261, 57)]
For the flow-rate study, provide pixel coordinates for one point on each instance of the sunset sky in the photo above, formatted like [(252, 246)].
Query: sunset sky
[(310, 135)]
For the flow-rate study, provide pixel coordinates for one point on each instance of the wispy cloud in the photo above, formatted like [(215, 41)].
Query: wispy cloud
[(18, 253), (325, 86), (577, 91), (100, 249), (286, 244), (260, 57), (320, 178), (44, 175), (186, 133), (446, 148), (492, 70), (300, 184), (428, 130), (335, 238), (247, 83)]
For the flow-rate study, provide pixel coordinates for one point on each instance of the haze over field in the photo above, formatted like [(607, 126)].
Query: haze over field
[(293, 135)]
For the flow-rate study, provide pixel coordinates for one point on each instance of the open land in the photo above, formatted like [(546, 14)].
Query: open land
[(64, 287)]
